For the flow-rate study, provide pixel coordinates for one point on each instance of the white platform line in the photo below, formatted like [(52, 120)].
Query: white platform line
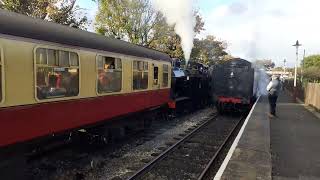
[(234, 145)]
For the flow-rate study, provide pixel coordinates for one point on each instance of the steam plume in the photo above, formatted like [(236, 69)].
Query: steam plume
[(262, 79), (179, 13)]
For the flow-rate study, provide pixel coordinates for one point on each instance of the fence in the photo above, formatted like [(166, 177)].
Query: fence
[(307, 92), (300, 88), (312, 95)]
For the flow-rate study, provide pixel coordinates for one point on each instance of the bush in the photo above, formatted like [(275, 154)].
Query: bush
[(311, 74)]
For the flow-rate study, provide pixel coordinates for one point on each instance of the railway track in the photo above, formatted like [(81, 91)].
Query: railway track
[(193, 155), (88, 160)]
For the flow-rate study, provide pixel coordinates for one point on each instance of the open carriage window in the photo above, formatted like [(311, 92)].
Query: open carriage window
[(140, 75), (109, 74), (57, 73), (165, 81)]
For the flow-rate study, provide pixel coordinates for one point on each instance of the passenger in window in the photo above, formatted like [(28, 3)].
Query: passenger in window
[(55, 85), (52, 80), (59, 79), (104, 81), (74, 84), (65, 82)]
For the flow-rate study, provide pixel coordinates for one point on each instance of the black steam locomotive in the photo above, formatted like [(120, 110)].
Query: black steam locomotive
[(234, 86), (189, 85)]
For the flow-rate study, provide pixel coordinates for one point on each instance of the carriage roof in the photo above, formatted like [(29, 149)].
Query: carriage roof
[(23, 26)]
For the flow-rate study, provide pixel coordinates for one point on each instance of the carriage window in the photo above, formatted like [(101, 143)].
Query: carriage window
[(54, 76), (74, 59), (165, 81), (41, 56), (109, 74), (64, 59), (140, 75), (1, 66), (52, 57), (155, 75)]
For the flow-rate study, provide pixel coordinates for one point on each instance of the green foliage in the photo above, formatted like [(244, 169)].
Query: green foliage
[(311, 65), (34, 8), (311, 74), (208, 50), (60, 11), (137, 22), (127, 19), (311, 61), (169, 42)]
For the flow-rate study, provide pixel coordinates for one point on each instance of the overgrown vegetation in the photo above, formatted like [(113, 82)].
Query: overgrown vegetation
[(311, 66), (60, 11)]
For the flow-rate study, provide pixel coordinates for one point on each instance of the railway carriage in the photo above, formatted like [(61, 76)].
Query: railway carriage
[(56, 78)]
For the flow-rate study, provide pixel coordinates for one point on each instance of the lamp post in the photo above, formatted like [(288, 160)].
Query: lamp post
[(284, 66), (295, 70)]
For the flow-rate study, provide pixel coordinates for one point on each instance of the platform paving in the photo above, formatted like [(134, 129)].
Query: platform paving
[(251, 158), (295, 142), (283, 148)]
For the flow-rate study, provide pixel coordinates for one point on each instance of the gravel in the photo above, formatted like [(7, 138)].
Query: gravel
[(120, 161)]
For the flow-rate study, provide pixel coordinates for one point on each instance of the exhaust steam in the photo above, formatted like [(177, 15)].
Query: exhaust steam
[(263, 80), (180, 14)]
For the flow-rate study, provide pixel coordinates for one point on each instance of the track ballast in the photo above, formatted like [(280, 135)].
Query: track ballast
[(193, 155)]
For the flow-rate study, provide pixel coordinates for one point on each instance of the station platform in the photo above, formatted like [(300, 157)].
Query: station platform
[(281, 148)]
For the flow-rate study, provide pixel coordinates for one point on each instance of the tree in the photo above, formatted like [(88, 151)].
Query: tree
[(311, 73), (137, 22), (133, 20), (227, 57), (60, 11), (169, 42), (208, 50), (267, 63), (311, 61), (311, 65)]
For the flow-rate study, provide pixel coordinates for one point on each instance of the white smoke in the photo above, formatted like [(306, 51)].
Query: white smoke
[(262, 80), (180, 14)]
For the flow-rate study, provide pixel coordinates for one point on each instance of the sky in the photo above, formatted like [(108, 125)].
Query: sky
[(256, 29)]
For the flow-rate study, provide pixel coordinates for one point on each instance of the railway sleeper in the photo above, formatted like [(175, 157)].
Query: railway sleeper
[(176, 165), (199, 156), (161, 174)]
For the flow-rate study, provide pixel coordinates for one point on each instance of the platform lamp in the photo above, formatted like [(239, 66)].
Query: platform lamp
[(284, 66), (295, 69)]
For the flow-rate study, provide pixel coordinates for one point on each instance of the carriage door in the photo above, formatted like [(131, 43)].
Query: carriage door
[(156, 83)]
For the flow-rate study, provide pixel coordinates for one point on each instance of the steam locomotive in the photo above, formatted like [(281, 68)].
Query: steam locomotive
[(190, 84), (234, 85)]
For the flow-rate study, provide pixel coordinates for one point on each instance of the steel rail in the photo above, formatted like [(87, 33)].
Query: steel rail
[(163, 154), (206, 170)]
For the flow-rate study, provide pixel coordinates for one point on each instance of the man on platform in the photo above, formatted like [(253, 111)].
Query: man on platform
[(273, 89)]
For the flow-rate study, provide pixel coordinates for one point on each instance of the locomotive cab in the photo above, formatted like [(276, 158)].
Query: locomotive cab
[(189, 86)]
